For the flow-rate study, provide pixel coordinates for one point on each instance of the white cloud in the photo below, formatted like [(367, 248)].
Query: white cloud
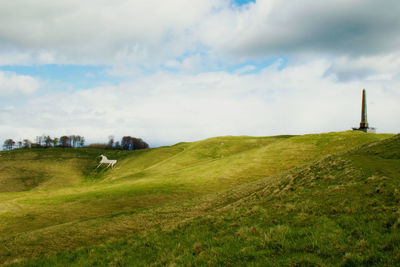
[(166, 108), (12, 84), (152, 32), (334, 27), (98, 31), (334, 49), (370, 68), (172, 64)]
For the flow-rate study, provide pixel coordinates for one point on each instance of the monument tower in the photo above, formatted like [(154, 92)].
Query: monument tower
[(364, 122)]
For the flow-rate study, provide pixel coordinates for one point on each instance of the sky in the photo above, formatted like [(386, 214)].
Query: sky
[(177, 70)]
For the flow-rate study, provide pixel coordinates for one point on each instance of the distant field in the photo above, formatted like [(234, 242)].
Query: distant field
[(226, 199)]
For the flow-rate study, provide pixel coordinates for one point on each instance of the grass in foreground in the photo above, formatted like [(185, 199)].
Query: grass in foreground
[(117, 203), (342, 210)]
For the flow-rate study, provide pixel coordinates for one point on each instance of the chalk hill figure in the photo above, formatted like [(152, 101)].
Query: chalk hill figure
[(105, 160)]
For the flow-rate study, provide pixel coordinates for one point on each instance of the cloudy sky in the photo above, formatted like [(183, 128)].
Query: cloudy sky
[(182, 70)]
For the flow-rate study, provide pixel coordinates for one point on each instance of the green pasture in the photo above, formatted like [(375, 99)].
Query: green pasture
[(220, 201)]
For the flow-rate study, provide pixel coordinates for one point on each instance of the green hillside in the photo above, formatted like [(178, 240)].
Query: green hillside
[(36, 169), (300, 199)]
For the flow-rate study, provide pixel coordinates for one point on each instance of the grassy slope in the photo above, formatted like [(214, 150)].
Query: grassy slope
[(149, 178), (342, 210), (36, 169)]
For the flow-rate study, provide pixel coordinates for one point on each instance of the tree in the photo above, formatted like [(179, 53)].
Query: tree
[(72, 140), (133, 143), (126, 143), (76, 140), (38, 141), (117, 145), (27, 143), (48, 141), (55, 141), (82, 141), (65, 141), (110, 141), (8, 144), (138, 143)]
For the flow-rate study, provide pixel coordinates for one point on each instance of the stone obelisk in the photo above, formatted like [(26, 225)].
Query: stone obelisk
[(364, 122)]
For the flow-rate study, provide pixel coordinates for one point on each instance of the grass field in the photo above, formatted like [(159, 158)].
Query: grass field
[(312, 199)]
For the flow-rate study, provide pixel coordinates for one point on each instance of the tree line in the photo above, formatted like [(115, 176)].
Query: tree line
[(126, 143), (45, 141), (75, 141)]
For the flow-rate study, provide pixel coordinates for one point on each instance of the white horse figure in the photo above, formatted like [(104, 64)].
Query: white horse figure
[(105, 160)]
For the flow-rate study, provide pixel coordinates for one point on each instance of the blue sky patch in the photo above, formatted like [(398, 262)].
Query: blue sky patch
[(255, 66), (66, 77), (243, 2)]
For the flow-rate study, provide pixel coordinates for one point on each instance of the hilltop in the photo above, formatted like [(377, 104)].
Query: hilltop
[(226, 199)]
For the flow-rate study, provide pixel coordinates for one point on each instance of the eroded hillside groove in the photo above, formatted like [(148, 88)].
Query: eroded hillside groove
[(165, 203)]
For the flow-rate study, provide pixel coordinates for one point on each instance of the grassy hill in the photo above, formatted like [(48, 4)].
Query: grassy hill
[(300, 199)]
